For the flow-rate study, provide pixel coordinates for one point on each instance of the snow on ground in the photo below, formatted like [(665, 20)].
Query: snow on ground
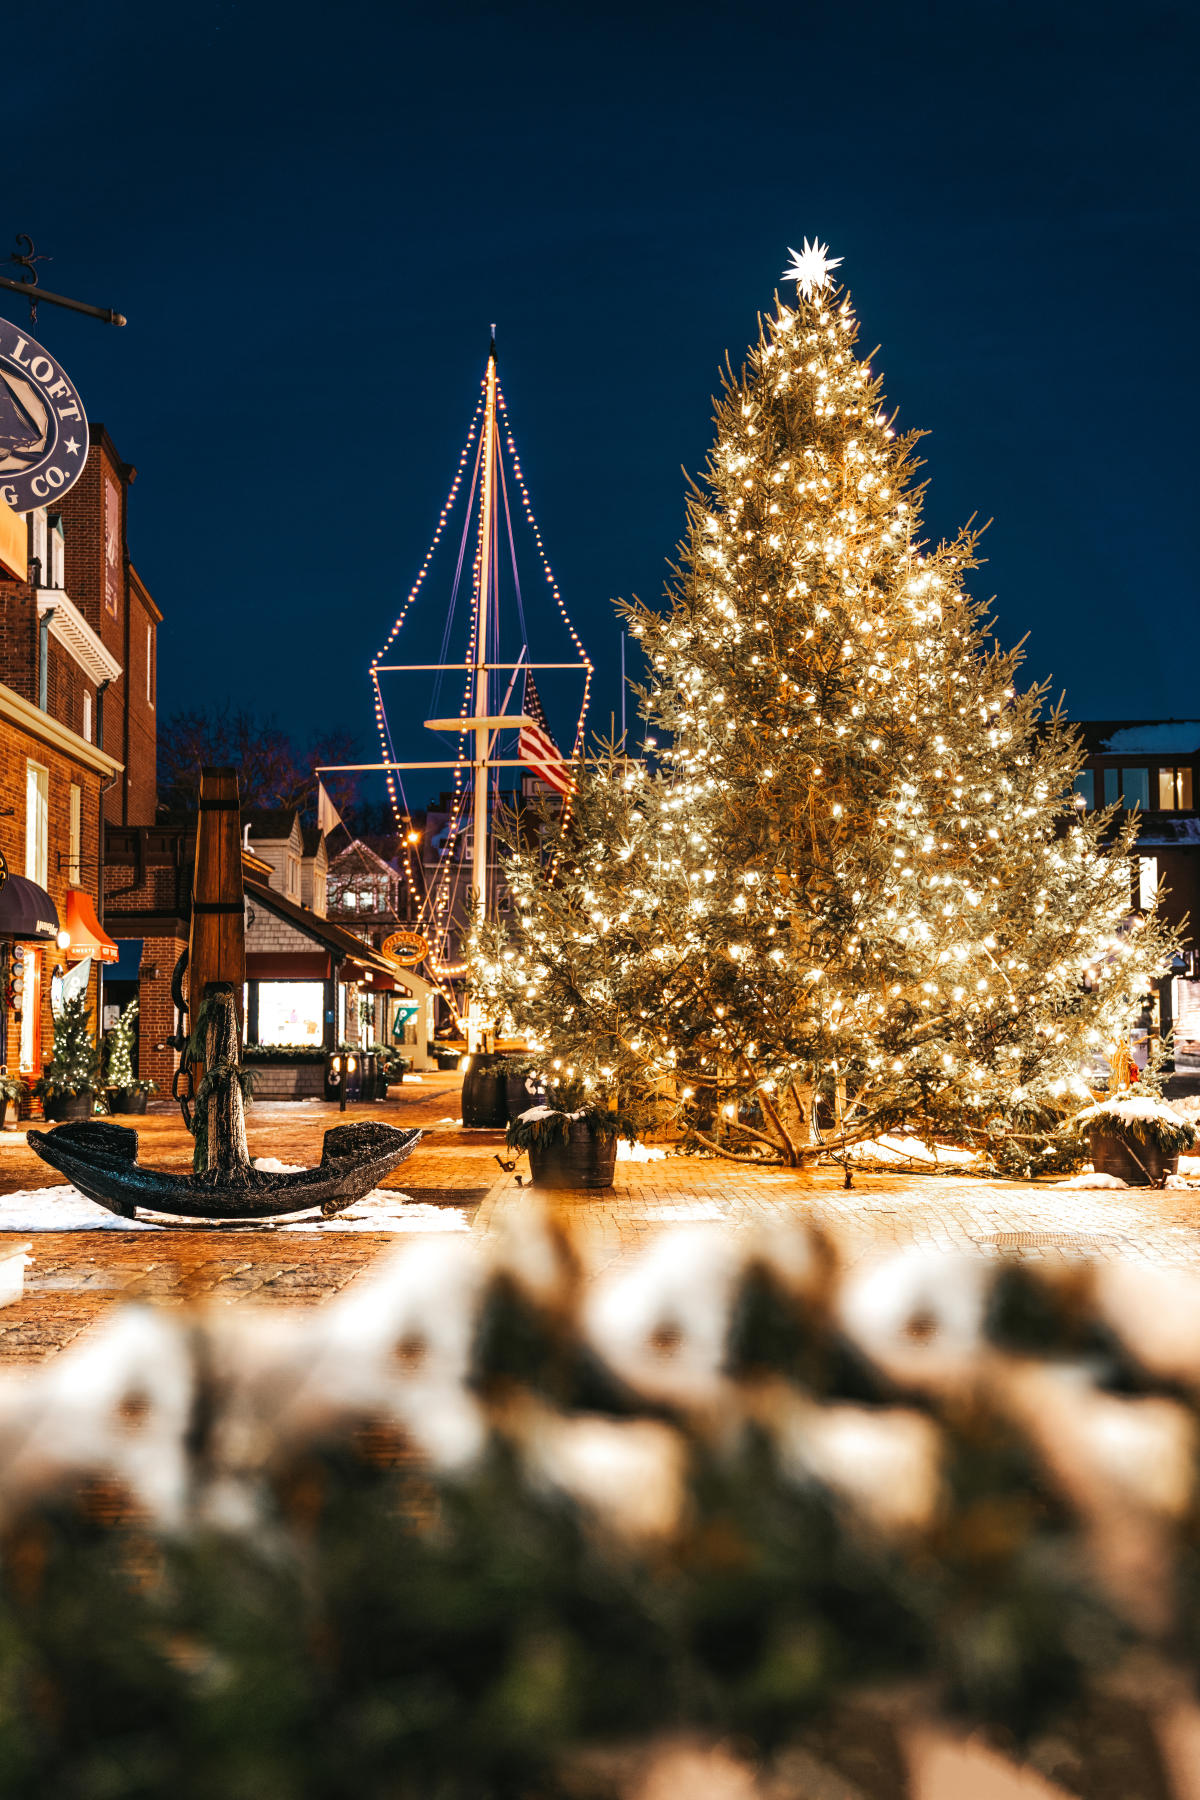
[(66, 1209), (627, 1152), (910, 1150), (1089, 1179)]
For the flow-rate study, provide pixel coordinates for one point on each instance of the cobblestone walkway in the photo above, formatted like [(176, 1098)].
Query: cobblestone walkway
[(76, 1276)]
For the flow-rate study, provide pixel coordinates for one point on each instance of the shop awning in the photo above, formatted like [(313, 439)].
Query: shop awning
[(27, 911), (128, 965), (88, 937)]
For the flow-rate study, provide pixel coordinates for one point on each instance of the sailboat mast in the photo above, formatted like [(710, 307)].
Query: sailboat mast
[(479, 844)]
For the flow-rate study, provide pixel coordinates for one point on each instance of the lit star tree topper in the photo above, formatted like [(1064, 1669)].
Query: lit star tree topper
[(810, 268)]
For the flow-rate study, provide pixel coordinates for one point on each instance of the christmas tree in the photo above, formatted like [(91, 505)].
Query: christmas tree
[(858, 871), (119, 1071), (74, 1067)]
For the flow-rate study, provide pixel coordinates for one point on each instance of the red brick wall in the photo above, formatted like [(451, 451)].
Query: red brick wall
[(130, 732), (18, 639), (156, 1010)]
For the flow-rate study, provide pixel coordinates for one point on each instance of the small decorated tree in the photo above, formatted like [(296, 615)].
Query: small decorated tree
[(120, 1071), (73, 1071)]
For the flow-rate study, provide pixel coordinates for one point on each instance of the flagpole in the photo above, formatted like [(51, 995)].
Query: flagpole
[(622, 690), (479, 846)]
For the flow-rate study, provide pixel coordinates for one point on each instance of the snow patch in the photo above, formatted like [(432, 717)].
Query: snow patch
[(1090, 1179), (910, 1149), (1171, 734), (271, 1165), (1130, 1106), (639, 1152), (64, 1208)]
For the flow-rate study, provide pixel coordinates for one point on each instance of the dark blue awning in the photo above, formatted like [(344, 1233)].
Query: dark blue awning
[(128, 964)]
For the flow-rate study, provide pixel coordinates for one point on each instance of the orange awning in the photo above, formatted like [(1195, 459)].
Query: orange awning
[(88, 936)]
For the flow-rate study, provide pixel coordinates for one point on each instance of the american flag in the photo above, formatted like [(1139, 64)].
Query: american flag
[(537, 748)]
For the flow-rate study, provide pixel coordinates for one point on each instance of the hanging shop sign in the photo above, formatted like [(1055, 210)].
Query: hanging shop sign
[(408, 948), (43, 430)]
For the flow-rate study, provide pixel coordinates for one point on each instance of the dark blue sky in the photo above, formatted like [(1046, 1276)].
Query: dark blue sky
[(310, 213)]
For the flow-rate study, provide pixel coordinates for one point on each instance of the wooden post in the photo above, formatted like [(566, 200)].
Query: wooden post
[(217, 967), (217, 945)]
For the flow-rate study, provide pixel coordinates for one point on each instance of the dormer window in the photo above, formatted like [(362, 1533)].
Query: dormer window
[(293, 876), (1175, 790)]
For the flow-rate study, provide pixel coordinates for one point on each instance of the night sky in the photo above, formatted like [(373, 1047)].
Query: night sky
[(311, 213)]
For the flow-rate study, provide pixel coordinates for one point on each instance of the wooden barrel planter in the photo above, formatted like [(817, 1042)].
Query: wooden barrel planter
[(583, 1159), (485, 1094), (1138, 1165), (127, 1102), (62, 1107)]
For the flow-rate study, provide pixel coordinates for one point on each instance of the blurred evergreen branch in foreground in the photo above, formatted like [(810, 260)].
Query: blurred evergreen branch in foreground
[(483, 1527)]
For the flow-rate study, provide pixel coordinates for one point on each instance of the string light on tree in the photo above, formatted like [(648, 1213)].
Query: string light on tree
[(856, 876)]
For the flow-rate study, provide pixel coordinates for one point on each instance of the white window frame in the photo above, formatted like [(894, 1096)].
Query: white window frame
[(87, 717), (37, 822), (150, 666)]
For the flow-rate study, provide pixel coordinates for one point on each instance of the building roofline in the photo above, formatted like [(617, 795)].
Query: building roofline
[(324, 931), (22, 713)]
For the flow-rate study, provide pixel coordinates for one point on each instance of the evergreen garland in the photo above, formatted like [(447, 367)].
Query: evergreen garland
[(642, 1540)]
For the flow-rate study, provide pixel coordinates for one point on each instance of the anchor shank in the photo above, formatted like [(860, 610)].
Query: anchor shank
[(224, 1153)]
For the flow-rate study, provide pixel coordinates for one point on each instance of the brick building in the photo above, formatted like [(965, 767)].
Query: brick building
[(78, 738), (116, 604), (1153, 765), (55, 774)]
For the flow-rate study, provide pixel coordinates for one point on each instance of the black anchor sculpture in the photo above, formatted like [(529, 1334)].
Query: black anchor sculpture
[(101, 1159)]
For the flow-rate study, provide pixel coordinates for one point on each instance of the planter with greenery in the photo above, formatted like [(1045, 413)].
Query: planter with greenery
[(283, 1053), (12, 1092), (70, 1081), (1135, 1136), (570, 1145), (391, 1065), (127, 1093)]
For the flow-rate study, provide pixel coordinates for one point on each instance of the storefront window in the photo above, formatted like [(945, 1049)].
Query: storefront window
[(1175, 790), (31, 1010), (291, 1012)]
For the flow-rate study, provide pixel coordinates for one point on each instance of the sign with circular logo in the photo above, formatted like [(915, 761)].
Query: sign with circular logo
[(43, 431), (408, 948)]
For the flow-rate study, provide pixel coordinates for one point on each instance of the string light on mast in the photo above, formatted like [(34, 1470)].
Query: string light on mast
[(490, 446)]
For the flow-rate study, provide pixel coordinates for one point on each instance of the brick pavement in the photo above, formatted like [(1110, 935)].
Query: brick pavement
[(78, 1275)]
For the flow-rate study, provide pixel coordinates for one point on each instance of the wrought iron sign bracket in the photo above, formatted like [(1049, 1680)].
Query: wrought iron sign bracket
[(25, 256)]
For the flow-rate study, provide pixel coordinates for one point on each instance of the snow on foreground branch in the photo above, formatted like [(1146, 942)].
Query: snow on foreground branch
[(480, 1521)]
